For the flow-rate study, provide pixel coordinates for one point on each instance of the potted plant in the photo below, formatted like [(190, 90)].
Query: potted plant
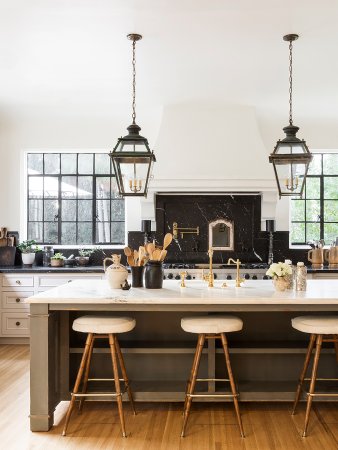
[(57, 260), (28, 249), (280, 272), (85, 254)]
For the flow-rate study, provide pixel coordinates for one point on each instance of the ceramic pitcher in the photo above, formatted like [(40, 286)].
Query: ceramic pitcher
[(331, 256), (316, 257), (116, 273)]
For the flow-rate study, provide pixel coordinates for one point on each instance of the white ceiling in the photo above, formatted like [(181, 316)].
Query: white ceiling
[(73, 55)]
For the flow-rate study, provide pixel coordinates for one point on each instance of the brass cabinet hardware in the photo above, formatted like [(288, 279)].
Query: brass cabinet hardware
[(184, 230)]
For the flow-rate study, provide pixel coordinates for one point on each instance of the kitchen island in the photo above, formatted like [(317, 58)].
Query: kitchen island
[(267, 354)]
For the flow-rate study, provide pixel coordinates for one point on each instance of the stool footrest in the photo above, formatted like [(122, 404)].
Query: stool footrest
[(97, 394), (212, 379), (213, 395)]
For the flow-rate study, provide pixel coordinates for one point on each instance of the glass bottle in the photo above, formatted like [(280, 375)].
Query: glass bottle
[(290, 278), (48, 252), (301, 277)]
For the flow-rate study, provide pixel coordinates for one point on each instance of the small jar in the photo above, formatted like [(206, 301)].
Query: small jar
[(301, 273), (48, 252), (153, 275)]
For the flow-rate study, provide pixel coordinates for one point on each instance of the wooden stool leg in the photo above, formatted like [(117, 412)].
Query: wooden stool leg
[(232, 382), (197, 359), (78, 381), (303, 374), (193, 368), (86, 374), (124, 374), (112, 341), (335, 336), (313, 382)]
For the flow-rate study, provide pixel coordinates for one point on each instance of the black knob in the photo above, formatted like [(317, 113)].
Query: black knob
[(177, 277), (164, 277), (170, 276), (188, 277), (247, 276), (254, 277), (229, 277), (265, 277), (17, 300), (17, 324), (215, 276)]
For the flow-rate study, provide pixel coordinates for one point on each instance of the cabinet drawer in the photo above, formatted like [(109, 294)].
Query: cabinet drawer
[(17, 281), (15, 300), (52, 281), (15, 324)]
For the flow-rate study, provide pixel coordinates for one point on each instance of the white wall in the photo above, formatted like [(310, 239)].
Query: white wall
[(199, 147)]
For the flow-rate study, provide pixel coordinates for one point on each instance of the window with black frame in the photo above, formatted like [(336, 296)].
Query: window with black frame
[(315, 216), (73, 200)]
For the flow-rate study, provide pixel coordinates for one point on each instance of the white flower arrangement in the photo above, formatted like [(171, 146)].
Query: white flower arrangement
[(280, 269)]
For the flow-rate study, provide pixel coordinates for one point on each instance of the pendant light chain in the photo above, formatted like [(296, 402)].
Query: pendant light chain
[(290, 84), (134, 82)]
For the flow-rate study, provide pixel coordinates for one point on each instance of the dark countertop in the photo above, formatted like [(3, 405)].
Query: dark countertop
[(41, 269)]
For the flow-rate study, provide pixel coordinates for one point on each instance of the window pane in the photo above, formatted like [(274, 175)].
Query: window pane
[(331, 187), (315, 167), (313, 210), (68, 187), (103, 232), (85, 163), (51, 187), (68, 233), (330, 164), (102, 163), (331, 210), (313, 188), (297, 233), (68, 163), (35, 163), (52, 163), (312, 231), (85, 187), (35, 210), (330, 232), (84, 233), (35, 187), (102, 211), (68, 213), (297, 210), (35, 231), (85, 210), (102, 187), (117, 233), (51, 210), (51, 232)]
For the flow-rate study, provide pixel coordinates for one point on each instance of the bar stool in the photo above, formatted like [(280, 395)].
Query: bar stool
[(99, 327), (210, 327), (317, 327)]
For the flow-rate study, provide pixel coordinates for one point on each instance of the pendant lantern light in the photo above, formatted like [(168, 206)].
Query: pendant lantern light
[(132, 158), (291, 156)]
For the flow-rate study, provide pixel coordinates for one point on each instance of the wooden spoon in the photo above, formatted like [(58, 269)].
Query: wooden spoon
[(130, 260), (150, 249), (163, 255), (141, 254), (167, 240), (135, 257), (127, 251), (156, 255)]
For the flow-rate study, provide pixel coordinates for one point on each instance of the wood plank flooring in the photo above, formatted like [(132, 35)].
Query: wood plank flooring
[(268, 426)]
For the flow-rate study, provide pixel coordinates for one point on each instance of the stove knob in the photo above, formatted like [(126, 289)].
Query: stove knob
[(215, 276), (188, 277), (247, 276), (177, 277), (229, 277), (164, 277), (254, 277), (170, 276), (265, 277)]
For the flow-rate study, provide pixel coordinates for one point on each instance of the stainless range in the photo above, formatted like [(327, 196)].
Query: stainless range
[(248, 271)]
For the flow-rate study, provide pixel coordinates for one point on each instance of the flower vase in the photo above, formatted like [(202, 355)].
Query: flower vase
[(281, 283)]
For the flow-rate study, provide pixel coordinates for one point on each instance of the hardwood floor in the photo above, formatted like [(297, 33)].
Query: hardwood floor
[(268, 426)]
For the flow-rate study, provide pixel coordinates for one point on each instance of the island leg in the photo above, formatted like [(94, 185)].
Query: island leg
[(43, 343)]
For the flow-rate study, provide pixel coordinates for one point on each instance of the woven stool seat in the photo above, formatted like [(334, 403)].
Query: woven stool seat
[(103, 324), (211, 324)]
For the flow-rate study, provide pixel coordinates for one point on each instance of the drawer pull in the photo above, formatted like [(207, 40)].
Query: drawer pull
[(18, 282), (69, 281), (17, 324), (17, 300)]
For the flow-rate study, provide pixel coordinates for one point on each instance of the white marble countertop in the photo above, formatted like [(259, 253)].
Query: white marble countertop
[(321, 292)]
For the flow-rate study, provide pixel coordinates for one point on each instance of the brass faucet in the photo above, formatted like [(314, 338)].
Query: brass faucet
[(210, 276), (237, 263), (183, 275)]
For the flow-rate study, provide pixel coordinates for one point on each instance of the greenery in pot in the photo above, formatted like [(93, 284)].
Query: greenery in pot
[(85, 254), (57, 260), (58, 256), (29, 247)]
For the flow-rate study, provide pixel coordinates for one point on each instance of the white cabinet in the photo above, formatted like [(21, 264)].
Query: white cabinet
[(14, 288)]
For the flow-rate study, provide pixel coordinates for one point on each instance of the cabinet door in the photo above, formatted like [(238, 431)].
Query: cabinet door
[(15, 299), (19, 280), (14, 324)]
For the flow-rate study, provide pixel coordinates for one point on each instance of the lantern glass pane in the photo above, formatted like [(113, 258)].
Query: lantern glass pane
[(290, 148), (291, 178), (134, 177)]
